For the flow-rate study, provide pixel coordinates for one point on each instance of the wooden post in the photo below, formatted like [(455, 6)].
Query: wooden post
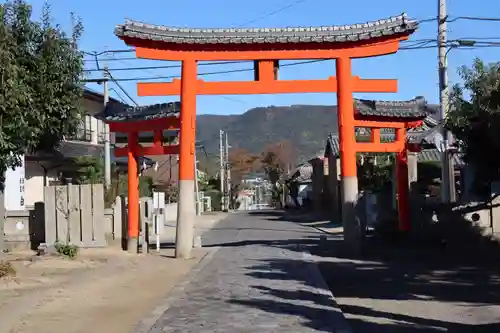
[(345, 102), (133, 195), (186, 211)]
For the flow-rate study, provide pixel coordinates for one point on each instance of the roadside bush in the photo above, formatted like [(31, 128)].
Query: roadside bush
[(67, 250), (6, 269)]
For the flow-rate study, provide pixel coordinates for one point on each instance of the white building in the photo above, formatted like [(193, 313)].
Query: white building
[(24, 185)]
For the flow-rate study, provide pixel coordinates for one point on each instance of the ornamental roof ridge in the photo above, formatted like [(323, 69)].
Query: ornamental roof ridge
[(419, 100), (394, 25), (117, 113)]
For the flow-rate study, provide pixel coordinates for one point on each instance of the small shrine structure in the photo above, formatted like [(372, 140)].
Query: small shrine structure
[(266, 47), (411, 115), (161, 120)]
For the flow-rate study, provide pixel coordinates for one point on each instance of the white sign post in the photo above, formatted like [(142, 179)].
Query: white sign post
[(158, 215)]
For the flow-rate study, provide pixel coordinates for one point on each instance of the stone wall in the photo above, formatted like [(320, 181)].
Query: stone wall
[(25, 230), (17, 229)]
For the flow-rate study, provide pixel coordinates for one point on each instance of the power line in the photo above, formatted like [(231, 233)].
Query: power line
[(417, 47), (231, 62), (267, 15), (121, 88), (162, 67), (221, 72), (452, 19), (96, 54), (110, 59), (473, 18), (120, 97), (418, 41)]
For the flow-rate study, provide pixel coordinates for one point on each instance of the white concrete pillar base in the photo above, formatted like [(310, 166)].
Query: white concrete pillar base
[(353, 230), (132, 245), (186, 214)]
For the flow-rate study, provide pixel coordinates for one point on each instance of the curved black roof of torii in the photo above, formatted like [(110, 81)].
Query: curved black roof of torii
[(361, 32), (125, 113), (416, 108), (424, 135)]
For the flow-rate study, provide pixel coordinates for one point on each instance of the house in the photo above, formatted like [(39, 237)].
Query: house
[(24, 185)]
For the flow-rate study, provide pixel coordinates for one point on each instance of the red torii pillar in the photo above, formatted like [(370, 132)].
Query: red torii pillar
[(132, 151), (186, 202), (403, 186), (400, 148)]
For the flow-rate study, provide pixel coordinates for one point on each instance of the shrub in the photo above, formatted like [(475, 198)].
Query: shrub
[(6, 269), (67, 250)]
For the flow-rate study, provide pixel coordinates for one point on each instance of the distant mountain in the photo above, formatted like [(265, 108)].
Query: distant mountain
[(305, 126)]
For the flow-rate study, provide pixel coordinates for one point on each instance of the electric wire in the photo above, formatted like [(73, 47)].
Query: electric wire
[(272, 13), (415, 43), (418, 47), (121, 88), (120, 97)]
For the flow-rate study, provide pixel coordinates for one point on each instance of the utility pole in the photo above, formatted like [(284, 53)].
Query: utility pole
[(222, 172), (107, 145), (228, 174), (447, 168)]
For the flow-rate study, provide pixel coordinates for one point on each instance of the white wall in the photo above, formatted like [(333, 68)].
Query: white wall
[(90, 108), (33, 183), (171, 212), (14, 198)]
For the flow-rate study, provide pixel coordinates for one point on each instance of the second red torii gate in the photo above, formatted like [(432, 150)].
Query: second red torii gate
[(132, 121), (266, 46)]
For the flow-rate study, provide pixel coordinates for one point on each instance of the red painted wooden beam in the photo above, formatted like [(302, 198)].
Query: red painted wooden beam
[(265, 87), (149, 151), (392, 123), (389, 147), (168, 123)]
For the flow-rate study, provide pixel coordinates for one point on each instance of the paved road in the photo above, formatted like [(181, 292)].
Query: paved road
[(258, 281)]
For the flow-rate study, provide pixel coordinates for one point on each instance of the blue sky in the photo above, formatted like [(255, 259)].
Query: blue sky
[(416, 70)]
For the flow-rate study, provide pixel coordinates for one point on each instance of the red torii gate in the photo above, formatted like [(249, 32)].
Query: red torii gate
[(266, 46), (131, 121)]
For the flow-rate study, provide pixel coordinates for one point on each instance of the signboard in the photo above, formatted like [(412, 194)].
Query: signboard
[(158, 215), (14, 187), (159, 200)]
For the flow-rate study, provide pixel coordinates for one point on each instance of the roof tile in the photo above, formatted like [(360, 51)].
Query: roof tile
[(121, 113), (397, 25), (415, 108)]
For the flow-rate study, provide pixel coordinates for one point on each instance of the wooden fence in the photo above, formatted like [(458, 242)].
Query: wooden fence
[(74, 214)]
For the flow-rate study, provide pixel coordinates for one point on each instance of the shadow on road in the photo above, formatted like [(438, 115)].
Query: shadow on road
[(388, 287)]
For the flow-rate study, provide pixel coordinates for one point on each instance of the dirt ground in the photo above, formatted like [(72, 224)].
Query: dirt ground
[(99, 291)]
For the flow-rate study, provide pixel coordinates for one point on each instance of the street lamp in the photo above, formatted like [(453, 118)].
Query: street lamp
[(447, 165)]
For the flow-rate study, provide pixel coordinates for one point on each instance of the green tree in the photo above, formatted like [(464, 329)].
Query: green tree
[(90, 170), (40, 74), (276, 160), (474, 119)]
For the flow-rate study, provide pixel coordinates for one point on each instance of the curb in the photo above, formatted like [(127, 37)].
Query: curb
[(337, 320), (147, 324)]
